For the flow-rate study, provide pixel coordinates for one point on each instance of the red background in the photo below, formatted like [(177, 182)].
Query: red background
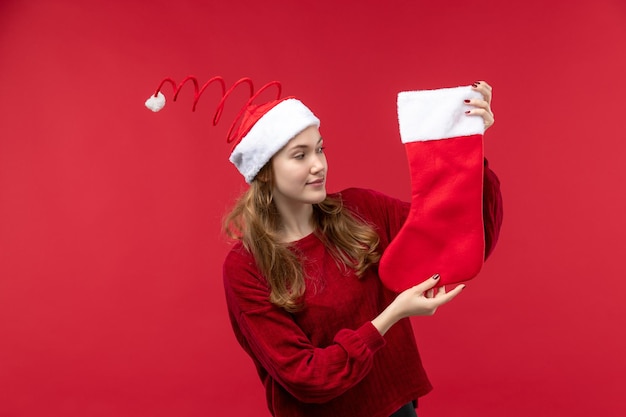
[(111, 299)]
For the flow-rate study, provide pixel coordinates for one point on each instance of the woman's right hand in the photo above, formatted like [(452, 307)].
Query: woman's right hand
[(424, 299), (421, 300)]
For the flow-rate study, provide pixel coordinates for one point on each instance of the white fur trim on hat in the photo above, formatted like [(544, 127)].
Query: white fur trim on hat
[(269, 134), (437, 114)]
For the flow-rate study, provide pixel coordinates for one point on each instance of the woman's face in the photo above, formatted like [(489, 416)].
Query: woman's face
[(300, 170)]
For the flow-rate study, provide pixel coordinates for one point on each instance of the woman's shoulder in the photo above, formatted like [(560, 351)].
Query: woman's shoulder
[(387, 214), (238, 255), (356, 195), (365, 199), (238, 258), (240, 271)]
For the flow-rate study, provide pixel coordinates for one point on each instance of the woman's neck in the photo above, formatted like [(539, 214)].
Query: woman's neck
[(296, 223)]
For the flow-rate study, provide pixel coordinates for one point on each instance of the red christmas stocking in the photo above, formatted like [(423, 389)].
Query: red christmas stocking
[(444, 232)]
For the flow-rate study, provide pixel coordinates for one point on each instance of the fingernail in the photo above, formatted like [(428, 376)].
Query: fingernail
[(466, 101), (467, 112), (436, 276), (463, 287)]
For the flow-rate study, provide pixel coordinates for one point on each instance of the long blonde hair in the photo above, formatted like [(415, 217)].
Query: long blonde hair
[(255, 221)]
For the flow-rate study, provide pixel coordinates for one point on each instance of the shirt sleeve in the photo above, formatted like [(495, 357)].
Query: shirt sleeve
[(269, 334), (492, 209)]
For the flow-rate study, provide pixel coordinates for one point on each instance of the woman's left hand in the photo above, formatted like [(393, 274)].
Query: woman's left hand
[(482, 108)]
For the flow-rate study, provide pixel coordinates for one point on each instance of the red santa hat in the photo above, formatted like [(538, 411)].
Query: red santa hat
[(269, 127), (258, 131)]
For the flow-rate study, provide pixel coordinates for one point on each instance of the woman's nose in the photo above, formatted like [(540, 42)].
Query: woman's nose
[(319, 163)]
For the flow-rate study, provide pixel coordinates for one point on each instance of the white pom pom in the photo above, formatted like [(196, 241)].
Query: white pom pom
[(156, 103)]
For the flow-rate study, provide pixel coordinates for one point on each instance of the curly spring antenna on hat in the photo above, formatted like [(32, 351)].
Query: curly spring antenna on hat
[(258, 131)]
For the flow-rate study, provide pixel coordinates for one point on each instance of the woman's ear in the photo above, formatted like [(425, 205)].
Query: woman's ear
[(265, 174), (262, 177)]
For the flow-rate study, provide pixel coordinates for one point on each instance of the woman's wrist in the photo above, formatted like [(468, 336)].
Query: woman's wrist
[(387, 318)]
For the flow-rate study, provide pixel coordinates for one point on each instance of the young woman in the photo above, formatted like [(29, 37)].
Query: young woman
[(302, 289)]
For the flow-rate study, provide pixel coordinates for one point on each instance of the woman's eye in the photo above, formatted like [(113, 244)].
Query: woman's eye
[(321, 149), (299, 156)]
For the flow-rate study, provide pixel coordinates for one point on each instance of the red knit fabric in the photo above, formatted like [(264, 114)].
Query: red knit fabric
[(328, 359), (444, 232)]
